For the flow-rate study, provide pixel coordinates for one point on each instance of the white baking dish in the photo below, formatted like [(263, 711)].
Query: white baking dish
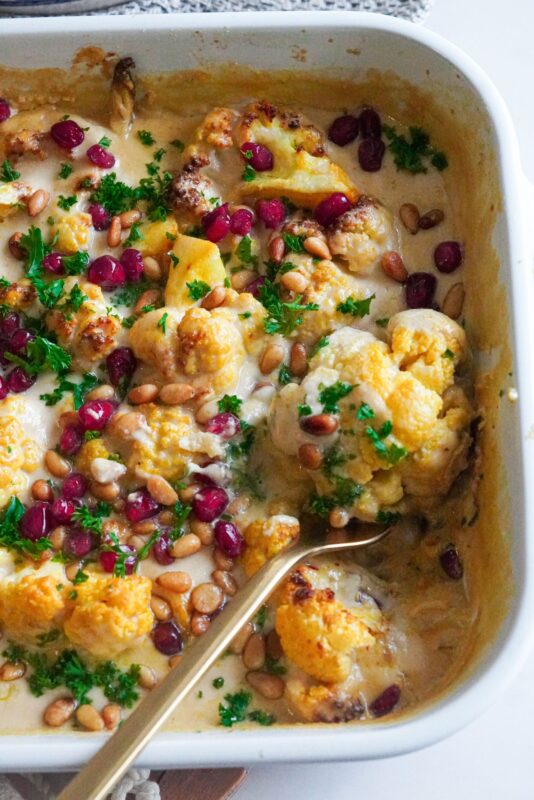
[(346, 44)]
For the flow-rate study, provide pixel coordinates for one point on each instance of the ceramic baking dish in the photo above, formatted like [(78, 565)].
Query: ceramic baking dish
[(346, 45)]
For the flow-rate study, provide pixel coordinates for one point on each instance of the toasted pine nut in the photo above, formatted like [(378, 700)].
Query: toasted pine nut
[(59, 712), (12, 671), (238, 505), (298, 360), (149, 298), (104, 392), (222, 561), (37, 202), (126, 425), (111, 714), (431, 219), (203, 530), (294, 281), (317, 247), (137, 542), (145, 393), (240, 280), (161, 490), (174, 660), (206, 598), (186, 546), (206, 411), (269, 686), (144, 528), (310, 456), (338, 518), (239, 641), (160, 608), (226, 581), (393, 266), (68, 418), (41, 490), (319, 424), (14, 246), (254, 652), (272, 357), (89, 718), (175, 581), (273, 645), (199, 624), (152, 268), (114, 232), (56, 465), (189, 492), (409, 216), (214, 299), (129, 218), (105, 491), (166, 517), (147, 677), (57, 537), (277, 249), (453, 303), (174, 394), (71, 570)]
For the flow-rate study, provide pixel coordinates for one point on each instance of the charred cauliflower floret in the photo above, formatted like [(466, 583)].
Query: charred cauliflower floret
[(19, 294), (25, 142), (191, 190), (198, 260), (265, 538), (11, 194), (361, 236), (71, 232), (156, 343), (320, 703), (109, 615), (302, 171), (216, 128), (19, 454)]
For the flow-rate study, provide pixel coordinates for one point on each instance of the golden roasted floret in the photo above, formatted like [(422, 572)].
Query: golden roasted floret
[(362, 235), (265, 538), (71, 232), (320, 703), (11, 194), (156, 343), (190, 191), (19, 294), (19, 454), (216, 128), (157, 237), (94, 448)]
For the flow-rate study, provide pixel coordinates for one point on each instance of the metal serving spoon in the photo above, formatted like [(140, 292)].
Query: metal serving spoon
[(107, 766)]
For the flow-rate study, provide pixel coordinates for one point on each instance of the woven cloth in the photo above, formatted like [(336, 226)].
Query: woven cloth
[(136, 784)]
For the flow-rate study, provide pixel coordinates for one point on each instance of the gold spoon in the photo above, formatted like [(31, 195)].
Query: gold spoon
[(109, 764)]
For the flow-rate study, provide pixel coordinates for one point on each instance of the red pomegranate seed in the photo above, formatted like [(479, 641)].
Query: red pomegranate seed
[(20, 341), (108, 559), (167, 638), (216, 223), (95, 414), (70, 440), (209, 503), (161, 550), (385, 702), (19, 381), (67, 134), (100, 157), (63, 509), (121, 365), (254, 286), (448, 256), (370, 154), (140, 505), (5, 110), (451, 564), (78, 543), (241, 222), (53, 262), (107, 272), (132, 261), (332, 207), (37, 521), (370, 124), (228, 538), (420, 288), (4, 391), (344, 130), (74, 486), (271, 212), (100, 217), (258, 156), (224, 425), (9, 323)]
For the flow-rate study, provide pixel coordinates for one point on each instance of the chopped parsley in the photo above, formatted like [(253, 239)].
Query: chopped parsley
[(235, 708), (304, 410), (388, 517), (130, 294), (92, 518), (346, 492), (217, 683), (391, 453), (10, 537), (448, 354), (162, 323), (261, 617), (331, 395), (42, 355), (356, 308), (74, 300), (80, 577), (105, 142), (114, 195), (413, 153), (244, 251), (284, 375), (158, 155), (248, 174), (7, 173), (273, 666), (324, 341), (146, 138), (135, 235), (75, 264), (294, 244), (231, 403), (65, 203), (178, 144), (365, 412), (65, 171), (198, 289), (79, 390), (382, 322), (261, 717), (282, 317)]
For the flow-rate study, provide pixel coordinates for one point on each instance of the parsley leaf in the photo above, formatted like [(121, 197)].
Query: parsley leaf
[(235, 708), (388, 517), (392, 453), (411, 153), (162, 323), (79, 390), (261, 717), (324, 341), (284, 375), (114, 195), (65, 203), (365, 412), (198, 289), (357, 308), (75, 264), (92, 519), (105, 142), (218, 683), (248, 174), (244, 251), (135, 235), (178, 144), (282, 317), (146, 138), (7, 173), (42, 355), (330, 396), (231, 403), (448, 354), (294, 244), (304, 410), (383, 322)]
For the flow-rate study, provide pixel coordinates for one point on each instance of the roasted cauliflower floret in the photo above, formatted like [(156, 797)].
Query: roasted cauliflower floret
[(94, 448), (198, 260), (265, 538), (302, 171), (319, 703), (109, 615), (25, 142), (216, 128), (71, 232), (32, 599), (157, 237), (190, 191), (11, 194), (361, 236), (156, 343), (19, 294), (19, 454)]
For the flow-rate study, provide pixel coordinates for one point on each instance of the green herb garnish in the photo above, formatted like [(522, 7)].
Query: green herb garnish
[(231, 403), (198, 289), (282, 317), (146, 138), (330, 396), (356, 308), (7, 173), (413, 152), (65, 171)]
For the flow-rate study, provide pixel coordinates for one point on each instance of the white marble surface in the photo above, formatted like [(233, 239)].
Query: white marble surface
[(492, 758)]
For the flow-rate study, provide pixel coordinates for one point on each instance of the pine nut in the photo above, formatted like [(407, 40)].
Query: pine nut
[(129, 218), (71, 570), (126, 425), (114, 232), (68, 418), (161, 490), (272, 357), (269, 686), (137, 542), (319, 424), (166, 517), (174, 660), (89, 718), (277, 249), (254, 653), (393, 266), (206, 598), (59, 712), (144, 528), (199, 624), (225, 581), (203, 530), (222, 561), (338, 518), (186, 546), (409, 216), (147, 677), (431, 219), (105, 491), (57, 537), (104, 392), (149, 298), (178, 582), (294, 281), (310, 456), (453, 303), (298, 360), (238, 505), (273, 645), (145, 393), (189, 492), (214, 299), (12, 670), (240, 280), (152, 268), (160, 608), (317, 247), (56, 465), (174, 394), (41, 490), (37, 202), (14, 246), (111, 714), (239, 641), (206, 411)]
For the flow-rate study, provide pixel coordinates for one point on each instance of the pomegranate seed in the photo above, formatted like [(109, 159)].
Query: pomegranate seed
[(332, 207), (140, 505), (448, 256), (271, 212), (100, 217), (74, 486), (108, 559), (132, 261), (420, 288), (67, 134), (370, 154), (5, 110), (78, 543), (107, 272), (370, 124), (344, 130), (254, 286), (37, 521), (216, 223), (19, 381), (161, 550), (63, 509), (100, 157), (228, 538), (121, 365), (451, 564), (385, 702), (9, 323), (4, 391), (71, 440), (241, 221), (53, 262), (20, 341), (258, 156), (167, 638), (209, 503), (95, 414), (224, 425)]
